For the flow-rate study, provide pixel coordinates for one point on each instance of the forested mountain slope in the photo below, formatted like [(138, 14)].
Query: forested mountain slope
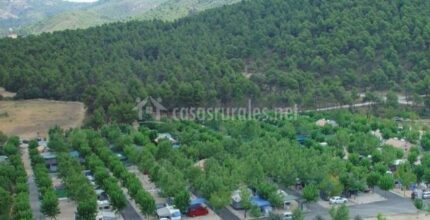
[(15, 13), (55, 17), (273, 51)]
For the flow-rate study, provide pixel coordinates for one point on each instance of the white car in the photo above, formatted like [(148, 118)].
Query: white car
[(287, 216), (426, 195), (338, 200), (169, 212)]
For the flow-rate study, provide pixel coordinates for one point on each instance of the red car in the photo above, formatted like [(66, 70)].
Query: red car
[(197, 210)]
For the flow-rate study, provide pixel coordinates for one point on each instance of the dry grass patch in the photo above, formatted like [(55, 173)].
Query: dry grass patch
[(6, 94), (33, 118)]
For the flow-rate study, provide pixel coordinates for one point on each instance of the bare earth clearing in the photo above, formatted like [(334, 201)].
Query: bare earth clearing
[(6, 94), (33, 118)]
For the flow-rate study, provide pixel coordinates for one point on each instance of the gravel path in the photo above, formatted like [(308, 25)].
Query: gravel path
[(33, 190)]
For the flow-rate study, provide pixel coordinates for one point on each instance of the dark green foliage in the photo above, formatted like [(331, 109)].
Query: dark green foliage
[(310, 193), (4, 200), (274, 51), (339, 213), (392, 100), (182, 200), (14, 201), (87, 208), (386, 182), (255, 211), (77, 186), (105, 157), (3, 138), (107, 182), (245, 198), (213, 163), (373, 179), (425, 141), (49, 205), (418, 203), (22, 209), (145, 201), (298, 214)]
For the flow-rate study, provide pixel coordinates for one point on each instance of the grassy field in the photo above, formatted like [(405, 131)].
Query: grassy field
[(33, 118)]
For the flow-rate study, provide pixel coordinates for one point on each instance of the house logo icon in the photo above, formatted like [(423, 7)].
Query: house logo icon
[(149, 106)]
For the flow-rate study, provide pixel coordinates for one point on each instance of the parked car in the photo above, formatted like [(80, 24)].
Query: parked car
[(338, 200), (103, 205), (101, 195), (426, 195), (169, 212), (287, 216), (197, 210), (417, 193), (160, 205)]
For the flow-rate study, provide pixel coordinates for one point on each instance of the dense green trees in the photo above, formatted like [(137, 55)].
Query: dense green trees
[(49, 205), (216, 158), (339, 213), (79, 141), (49, 200), (98, 146), (406, 175), (77, 186), (310, 193), (14, 202), (182, 200), (425, 141), (373, 179), (70, 170), (245, 199), (331, 185), (106, 182), (277, 52), (386, 182)]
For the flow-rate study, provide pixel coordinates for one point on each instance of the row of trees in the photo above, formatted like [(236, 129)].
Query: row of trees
[(283, 160), (77, 186), (167, 178), (78, 141), (14, 198), (108, 183), (130, 181), (227, 151), (48, 196), (70, 171)]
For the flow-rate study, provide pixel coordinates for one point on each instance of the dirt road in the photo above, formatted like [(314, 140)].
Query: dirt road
[(33, 190)]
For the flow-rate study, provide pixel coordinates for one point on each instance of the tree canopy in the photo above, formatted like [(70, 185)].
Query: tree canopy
[(273, 51)]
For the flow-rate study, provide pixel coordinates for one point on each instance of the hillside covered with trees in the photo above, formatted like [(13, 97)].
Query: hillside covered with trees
[(17, 13), (276, 52), (37, 16)]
